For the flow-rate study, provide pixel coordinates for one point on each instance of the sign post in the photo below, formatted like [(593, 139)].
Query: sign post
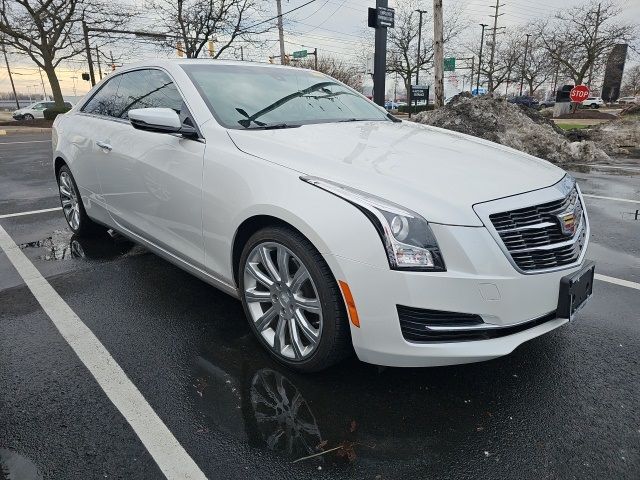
[(380, 18), (578, 94), (418, 92)]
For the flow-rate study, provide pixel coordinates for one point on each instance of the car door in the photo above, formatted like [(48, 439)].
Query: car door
[(152, 182)]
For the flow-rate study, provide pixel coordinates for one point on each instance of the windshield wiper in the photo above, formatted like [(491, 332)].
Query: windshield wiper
[(272, 126)]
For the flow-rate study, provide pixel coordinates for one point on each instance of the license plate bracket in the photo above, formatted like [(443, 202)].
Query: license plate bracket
[(575, 290)]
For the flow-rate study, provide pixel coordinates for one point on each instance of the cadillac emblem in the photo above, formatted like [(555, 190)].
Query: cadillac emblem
[(570, 219)]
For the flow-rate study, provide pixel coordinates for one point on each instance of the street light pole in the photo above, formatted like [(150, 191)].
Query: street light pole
[(483, 25), (524, 62), (420, 12), (438, 53), (13, 87)]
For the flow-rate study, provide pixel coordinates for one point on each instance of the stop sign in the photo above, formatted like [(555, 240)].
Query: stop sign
[(579, 93)]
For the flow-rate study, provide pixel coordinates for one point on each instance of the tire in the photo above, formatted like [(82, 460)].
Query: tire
[(28, 117), (279, 312), (594, 105), (72, 208)]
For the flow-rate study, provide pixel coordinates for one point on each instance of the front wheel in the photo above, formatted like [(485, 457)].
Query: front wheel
[(28, 117), (292, 300)]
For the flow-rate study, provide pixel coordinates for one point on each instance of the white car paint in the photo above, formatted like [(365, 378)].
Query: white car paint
[(186, 200)]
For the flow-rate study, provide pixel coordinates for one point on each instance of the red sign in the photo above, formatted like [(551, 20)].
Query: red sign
[(579, 93)]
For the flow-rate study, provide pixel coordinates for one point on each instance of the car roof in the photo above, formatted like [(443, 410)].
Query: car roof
[(170, 63)]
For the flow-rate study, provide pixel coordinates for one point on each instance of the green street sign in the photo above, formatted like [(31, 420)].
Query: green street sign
[(300, 54), (450, 64)]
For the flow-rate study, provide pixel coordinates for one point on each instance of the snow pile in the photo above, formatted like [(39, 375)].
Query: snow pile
[(508, 124), (618, 138)]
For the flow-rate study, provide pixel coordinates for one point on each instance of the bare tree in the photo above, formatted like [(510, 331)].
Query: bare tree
[(579, 37), (404, 56), (336, 68), (196, 22), (49, 31), (507, 64), (539, 68), (631, 85)]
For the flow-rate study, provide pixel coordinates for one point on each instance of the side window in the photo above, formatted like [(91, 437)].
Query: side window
[(102, 103), (144, 89)]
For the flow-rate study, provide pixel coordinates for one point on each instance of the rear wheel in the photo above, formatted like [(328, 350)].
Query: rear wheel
[(72, 207), (292, 301)]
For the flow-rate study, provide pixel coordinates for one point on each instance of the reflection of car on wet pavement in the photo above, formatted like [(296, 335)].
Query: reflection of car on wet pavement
[(326, 216)]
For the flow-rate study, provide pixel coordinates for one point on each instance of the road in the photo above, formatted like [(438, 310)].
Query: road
[(565, 405)]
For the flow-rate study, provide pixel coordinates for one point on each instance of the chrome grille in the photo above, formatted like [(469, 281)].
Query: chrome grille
[(544, 236)]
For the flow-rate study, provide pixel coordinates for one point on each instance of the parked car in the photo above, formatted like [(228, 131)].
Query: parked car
[(391, 105), (547, 103), (339, 227), (593, 102), (524, 100), (628, 100), (35, 110)]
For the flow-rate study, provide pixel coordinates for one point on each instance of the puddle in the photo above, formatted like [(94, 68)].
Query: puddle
[(14, 466), (63, 245)]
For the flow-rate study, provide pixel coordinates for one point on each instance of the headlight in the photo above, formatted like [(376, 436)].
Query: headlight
[(406, 236)]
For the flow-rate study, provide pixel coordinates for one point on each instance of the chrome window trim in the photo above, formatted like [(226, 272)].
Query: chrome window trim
[(553, 193)]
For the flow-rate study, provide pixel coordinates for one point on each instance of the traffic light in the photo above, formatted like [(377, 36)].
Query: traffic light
[(179, 48), (212, 50), (86, 76)]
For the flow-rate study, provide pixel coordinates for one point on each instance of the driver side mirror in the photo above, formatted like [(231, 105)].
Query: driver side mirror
[(162, 120)]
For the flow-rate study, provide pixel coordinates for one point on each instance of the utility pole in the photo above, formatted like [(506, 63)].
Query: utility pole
[(13, 87), (438, 53), (44, 90), (280, 31), (74, 86), (380, 60), (524, 63), (493, 42), (85, 31), (595, 39), (113, 64), (420, 12), (241, 53), (483, 25), (98, 59), (315, 58)]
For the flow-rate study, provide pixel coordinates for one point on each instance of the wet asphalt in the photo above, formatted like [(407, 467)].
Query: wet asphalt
[(565, 405)]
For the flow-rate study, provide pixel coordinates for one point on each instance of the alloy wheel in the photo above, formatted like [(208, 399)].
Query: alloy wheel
[(283, 301), (69, 200)]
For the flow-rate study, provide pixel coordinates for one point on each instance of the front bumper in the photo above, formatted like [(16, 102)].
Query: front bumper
[(479, 280)]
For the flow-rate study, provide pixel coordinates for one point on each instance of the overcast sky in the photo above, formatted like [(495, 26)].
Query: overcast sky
[(335, 27)]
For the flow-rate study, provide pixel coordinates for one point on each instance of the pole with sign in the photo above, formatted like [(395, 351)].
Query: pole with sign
[(578, 94), (300, 54), (380, 18)]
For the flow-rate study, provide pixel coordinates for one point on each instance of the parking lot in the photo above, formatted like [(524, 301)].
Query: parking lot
[(565, 405)]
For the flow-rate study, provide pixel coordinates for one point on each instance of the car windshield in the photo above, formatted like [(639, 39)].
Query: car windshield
[(252, 97)]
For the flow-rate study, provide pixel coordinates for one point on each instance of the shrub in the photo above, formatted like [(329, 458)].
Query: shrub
[(52, 112), (414, 108)]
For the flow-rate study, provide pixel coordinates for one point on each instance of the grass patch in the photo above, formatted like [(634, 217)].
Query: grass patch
[(571, 126)]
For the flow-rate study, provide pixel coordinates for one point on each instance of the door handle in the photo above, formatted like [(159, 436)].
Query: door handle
[(104, 146)]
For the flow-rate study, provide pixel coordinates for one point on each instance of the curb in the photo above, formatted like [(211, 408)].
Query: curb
[(10, 130)]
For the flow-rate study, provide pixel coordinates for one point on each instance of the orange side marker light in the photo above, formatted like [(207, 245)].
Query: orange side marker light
[(351, 305)]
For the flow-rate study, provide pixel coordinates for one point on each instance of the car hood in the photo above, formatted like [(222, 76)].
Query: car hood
[(435, 172)]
